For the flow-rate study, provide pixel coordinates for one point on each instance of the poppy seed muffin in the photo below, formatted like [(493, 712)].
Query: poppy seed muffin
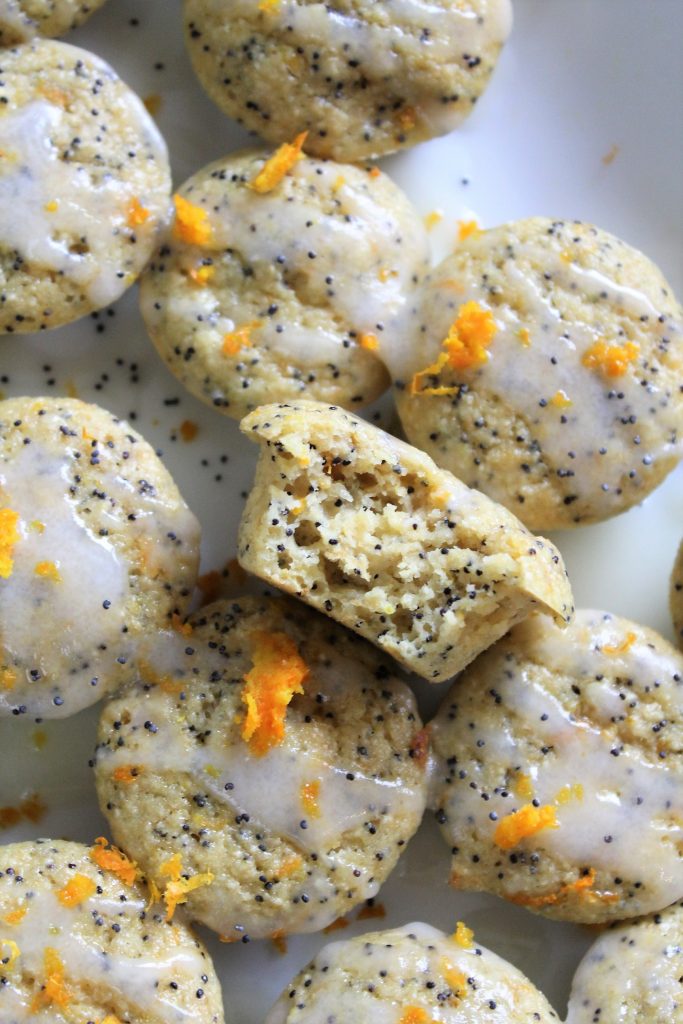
[(370, 531), (559, 770), (405, 976), (676, 595), (80, 942), (87, 167), (22, 19), (269, 750), (545, 368), (363, 77), (97, 548), (282, 277)]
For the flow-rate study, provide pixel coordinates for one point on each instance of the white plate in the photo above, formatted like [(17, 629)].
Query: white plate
[(580, 81)]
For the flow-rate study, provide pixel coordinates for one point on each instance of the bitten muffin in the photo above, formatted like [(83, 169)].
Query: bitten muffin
[(546, 369), (281, 277), (97, 548), (268, 760), (368, 530), (85, 164), (559, 773), (676, 596), (632, 974), (80, 942), (363, 77), (23, 19), (406, 975)]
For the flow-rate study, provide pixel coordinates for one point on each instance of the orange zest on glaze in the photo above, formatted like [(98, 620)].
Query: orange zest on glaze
[(457, 981), (16, 916), (277, 674), (76, 891), (524, 337), (522, 824), (309, 793), (522, 786), (622, 648), (9, 536), (14, 952), (463, 936), (468, 229), (569, 793), (114, 860), (610, 360), (416, 1015), (280, 163), (48, 571), (52, 206), (433, 218), (179, 888), (191, 222), (178, 626), (54, 991), (137, 213), (561, 400), (369, 341), (289, 867), (8, 678), (465, 347), (127, 773), (240, 338), (200, 275)]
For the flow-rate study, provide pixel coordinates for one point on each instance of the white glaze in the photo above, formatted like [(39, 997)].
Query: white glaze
[(622, 797), (142, 980)]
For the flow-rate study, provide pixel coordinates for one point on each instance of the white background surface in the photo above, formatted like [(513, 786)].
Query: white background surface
[(578, 78)]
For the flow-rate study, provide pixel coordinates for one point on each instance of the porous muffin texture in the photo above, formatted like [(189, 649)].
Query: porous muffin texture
[(23, 19), (294, 835), (363, 77), (284, 293), (676, 596), (410, 975), (86, 165), (573, 410), (97, 548), (370, 531), (632, 974), (558, 778), (81, 943)]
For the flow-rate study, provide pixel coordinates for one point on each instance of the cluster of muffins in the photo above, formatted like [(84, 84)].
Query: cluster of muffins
[(262, 762)]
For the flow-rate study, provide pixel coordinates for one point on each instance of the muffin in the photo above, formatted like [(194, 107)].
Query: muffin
[(545, 368), (406, 975), (558, 780), (269, 749), (676, 595), (87, 167), (97, 548), (281, 277), (22, 19), (363, 77), (632, 974), (368, 530), (80, 942)]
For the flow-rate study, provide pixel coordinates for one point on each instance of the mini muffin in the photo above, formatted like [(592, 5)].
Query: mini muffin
[(23, 19), (546, 369), (86, 166), (280, 277), (269, 753), (370, 531), (81, 943), (559, 775), (97, 547), (676, 595), (363, 77), (407, 975)]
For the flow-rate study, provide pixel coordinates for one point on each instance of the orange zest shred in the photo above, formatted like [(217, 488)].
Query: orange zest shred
[(200, 275), (289, 867), (457, 981), (465, 346), (369, 341), (569, 792), (337, 925), (191, 222), (16, 916), (582, 885), (416, 1015), (277, 674), (8, 678), (309, 793), (524, 336), (54, 990), (76, 891), (9, 536), (114, 860), (240, 338), (127, 773), (522, 786), (610, 360), (268, 5), (625, 645), (521, 824), (433, 218), (407, 118), (179, 888), (48, 571), (178, 626), (137, 213), (468, 229), (14, 952), (279, 164), (561, 400), (370, 911), (110, 1019), (463, 935)]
